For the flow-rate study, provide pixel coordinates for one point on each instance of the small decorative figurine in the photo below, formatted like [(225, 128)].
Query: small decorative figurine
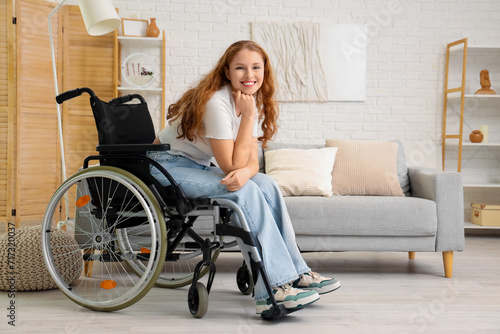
[(484, 77)]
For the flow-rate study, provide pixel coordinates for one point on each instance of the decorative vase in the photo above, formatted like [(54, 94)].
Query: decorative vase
[(476, 136), (152, 29)]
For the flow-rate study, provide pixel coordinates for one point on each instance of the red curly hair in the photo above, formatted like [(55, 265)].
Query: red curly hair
[(191, 106)]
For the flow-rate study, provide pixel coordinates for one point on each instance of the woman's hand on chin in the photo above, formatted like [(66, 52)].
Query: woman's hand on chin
[(244, 104)]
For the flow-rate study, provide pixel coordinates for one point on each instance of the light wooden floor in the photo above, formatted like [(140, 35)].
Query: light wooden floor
[(381, 293)]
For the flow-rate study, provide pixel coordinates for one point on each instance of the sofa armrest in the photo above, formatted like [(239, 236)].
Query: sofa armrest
[(446, 189)]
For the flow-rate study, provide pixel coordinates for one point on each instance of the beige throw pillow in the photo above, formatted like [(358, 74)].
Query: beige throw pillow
[(302, 172), (365, 168)]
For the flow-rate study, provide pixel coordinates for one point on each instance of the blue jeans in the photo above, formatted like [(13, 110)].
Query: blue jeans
[(262, 203)]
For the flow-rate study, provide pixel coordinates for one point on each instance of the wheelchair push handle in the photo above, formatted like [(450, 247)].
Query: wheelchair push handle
[(127, 98), (68, 95)]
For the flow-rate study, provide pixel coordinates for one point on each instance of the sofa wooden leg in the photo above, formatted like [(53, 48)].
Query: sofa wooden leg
[(411, 255), (448, 263)]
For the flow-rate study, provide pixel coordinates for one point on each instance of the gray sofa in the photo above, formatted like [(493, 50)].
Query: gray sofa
[(428, 219)]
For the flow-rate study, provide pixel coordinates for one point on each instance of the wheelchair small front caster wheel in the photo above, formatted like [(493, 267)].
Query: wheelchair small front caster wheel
[(244, 280), (198, 300)]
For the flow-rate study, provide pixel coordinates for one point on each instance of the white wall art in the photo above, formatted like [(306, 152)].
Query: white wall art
[(315, 62)]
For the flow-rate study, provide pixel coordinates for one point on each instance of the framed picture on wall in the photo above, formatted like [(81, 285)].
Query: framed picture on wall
[(323, 63), (134, 27)]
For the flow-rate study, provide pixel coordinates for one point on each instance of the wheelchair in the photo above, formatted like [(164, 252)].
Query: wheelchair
[(130, 232)]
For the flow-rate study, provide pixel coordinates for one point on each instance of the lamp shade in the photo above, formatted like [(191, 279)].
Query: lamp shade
[(100, 16)]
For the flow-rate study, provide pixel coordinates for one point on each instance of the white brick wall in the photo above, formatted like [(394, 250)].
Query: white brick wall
[(405, 61)]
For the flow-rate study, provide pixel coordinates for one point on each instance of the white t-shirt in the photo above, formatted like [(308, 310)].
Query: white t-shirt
[(220, 122)]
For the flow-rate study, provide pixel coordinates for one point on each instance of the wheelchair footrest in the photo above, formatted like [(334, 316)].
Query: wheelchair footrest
[(279, 311)]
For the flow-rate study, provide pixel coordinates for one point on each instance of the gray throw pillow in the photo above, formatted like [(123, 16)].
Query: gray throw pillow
[(404, 180)]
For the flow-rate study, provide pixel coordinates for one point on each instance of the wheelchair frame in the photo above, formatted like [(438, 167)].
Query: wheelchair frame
[(107, 233)]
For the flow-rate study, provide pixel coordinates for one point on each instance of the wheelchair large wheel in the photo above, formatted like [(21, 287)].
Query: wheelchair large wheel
[(178, 269), (91, 208)]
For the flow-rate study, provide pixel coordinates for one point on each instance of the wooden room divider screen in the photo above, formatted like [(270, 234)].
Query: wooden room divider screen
[(37, 172), (82, 60), (6, 108)]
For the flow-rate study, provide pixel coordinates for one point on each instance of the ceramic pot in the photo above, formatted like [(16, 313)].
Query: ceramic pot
[(152, 29), (476, 136)]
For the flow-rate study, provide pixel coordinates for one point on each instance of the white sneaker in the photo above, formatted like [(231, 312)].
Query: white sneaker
[(289, 297), (316, 282)]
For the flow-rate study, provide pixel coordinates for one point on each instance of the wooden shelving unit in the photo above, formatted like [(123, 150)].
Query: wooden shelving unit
[(457, 140), (120, 87)]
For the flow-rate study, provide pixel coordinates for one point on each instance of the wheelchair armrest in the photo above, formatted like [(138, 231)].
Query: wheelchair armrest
[(132, 147)]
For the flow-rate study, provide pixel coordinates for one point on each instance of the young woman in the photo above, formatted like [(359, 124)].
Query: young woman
[(219, 119)]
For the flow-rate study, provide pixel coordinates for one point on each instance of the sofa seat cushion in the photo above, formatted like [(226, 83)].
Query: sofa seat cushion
[(362, 215)]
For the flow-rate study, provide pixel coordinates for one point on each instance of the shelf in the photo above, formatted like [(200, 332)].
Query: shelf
[(481, 185), (470, 226), (481, 144), (476, 49), (464, 144), (130, 41), (482, 101), (138, 89), (456, 95)]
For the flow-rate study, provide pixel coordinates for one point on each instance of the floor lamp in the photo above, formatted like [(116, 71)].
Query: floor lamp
[(100, 18)]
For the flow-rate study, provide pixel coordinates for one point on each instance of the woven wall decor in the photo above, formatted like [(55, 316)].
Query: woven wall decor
[(30, 271)]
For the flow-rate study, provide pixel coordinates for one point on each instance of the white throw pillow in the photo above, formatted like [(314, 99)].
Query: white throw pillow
[(302, 172)]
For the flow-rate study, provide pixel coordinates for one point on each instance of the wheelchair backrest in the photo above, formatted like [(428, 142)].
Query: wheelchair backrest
[(123, 123), (127, 123)]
